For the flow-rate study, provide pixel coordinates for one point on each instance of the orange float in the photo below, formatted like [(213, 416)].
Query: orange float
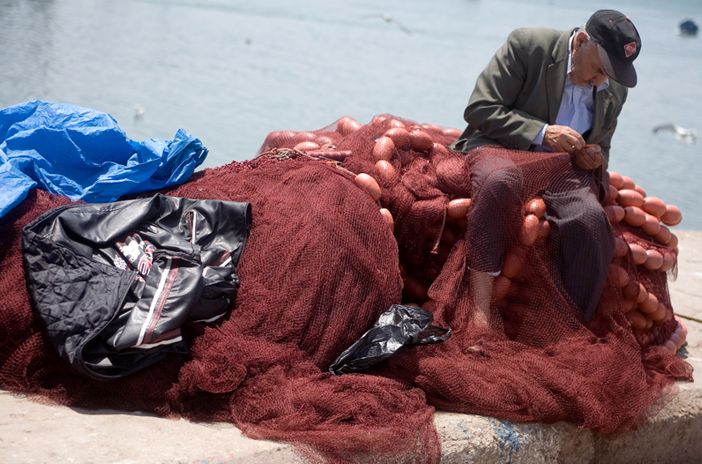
[(420, 141), (501, 288), (617, 276), (400, 136), (627, 183), (348, 125), (438, 150), (659, 314), (384, 149), (386, 171), (537, 207), (544, 229), (458, 208), (628, 305), (654, 260), (650, 304), (630, 197), (369, 185), (615, 213), (306, 146), (324, 140), (651, 225), (621, 248), (395, 123), (387, 217), (654, 206), (663, 236), (514, 262), (638, 253), (615, 180), (631, 291), (643, 294), (669, 260), (637, 320), (634, 216), (672, 215), (612, 194), (379, 119), (640, 189), (530, 230)]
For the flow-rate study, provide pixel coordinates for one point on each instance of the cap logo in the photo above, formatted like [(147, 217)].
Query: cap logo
[(629, 49)]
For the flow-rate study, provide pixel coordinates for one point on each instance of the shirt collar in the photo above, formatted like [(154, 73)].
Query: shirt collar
[(604, 85)]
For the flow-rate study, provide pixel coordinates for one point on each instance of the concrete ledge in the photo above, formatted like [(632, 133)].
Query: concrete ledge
[(674, 435), (31, 432)]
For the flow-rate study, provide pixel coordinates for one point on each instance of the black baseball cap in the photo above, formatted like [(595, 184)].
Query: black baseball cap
[(618, 43)]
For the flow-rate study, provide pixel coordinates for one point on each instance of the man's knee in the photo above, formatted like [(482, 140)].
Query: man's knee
[(502, 183)]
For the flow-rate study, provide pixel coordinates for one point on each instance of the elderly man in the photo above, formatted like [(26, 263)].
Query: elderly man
[(560, 91)]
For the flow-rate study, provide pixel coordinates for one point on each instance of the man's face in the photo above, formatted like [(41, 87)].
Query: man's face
[(586, 67)]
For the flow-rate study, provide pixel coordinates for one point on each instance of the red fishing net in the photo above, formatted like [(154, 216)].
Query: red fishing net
[(326, 257)]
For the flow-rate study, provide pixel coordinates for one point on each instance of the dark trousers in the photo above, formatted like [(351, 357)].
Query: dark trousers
[(580, 232)]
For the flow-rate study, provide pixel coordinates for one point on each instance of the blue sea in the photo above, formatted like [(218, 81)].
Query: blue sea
[(231, 71)]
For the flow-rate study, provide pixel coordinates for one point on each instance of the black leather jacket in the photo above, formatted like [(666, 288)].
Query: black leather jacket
[(113, 283)]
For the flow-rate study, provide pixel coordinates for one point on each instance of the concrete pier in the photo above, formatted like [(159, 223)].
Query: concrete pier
[(31, 432)]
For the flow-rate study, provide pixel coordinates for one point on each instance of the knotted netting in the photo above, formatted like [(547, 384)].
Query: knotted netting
[(348, 220)]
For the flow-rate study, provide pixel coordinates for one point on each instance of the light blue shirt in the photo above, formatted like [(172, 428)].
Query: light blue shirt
[(577, 103)]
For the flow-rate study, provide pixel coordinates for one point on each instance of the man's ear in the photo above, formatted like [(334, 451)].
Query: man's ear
[(580, 38)]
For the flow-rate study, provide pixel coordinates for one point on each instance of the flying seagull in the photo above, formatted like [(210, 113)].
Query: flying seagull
[(682, 134), (139, 112), (390, 20)]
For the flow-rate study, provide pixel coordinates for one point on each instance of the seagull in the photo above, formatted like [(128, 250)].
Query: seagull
[(139, 112), (682, 134), (390, 20)]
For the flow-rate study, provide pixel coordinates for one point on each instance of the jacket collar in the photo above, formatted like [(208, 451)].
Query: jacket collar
[(556, 75), (603, 101)]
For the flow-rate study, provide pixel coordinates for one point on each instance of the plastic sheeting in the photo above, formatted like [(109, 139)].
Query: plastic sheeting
[(83, 154)]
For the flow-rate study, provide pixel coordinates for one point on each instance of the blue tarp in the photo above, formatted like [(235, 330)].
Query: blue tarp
[(83, 154)]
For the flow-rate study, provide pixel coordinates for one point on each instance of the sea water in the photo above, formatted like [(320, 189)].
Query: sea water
[(231, 71)]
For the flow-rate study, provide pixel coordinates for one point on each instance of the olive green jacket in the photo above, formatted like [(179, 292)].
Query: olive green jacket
[(521, 89)]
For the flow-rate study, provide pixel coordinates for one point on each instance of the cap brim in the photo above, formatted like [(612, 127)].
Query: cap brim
[(624, 73)]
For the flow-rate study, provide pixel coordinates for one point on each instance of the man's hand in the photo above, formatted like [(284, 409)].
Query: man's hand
[(563, 138), (589, 158)]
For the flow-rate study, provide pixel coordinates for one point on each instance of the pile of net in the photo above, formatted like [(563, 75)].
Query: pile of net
[(348, 220)]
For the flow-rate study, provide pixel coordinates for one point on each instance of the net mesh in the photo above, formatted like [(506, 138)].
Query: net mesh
[(321, 265)]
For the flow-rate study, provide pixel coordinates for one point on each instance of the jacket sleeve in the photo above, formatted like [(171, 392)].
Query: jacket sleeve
[(490, 108), (607, 142)]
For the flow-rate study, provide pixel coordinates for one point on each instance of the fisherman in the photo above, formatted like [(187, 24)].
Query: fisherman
[(558, 91)]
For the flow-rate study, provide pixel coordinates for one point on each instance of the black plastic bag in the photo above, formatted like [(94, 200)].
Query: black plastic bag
[(399, 326)]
